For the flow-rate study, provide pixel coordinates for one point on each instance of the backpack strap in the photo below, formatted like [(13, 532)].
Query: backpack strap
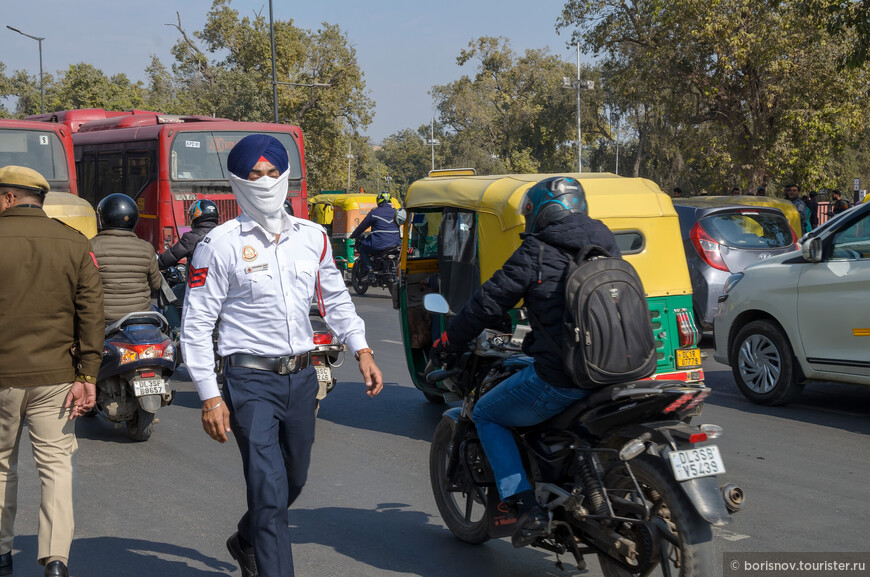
[(318, 290)]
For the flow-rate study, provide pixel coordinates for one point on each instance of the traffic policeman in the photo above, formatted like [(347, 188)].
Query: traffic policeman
[(258, 273), (51, 319)]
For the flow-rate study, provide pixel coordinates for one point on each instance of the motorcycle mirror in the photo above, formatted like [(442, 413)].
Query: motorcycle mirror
[(401, 216), (435, 303)]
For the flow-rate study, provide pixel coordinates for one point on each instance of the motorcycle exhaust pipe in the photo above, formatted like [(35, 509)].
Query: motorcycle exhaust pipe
[(733, 496)]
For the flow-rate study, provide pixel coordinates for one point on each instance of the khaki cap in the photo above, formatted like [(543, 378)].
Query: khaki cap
[(23, 177)]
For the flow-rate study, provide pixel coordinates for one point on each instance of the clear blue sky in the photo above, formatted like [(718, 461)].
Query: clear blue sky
[(404, 47)]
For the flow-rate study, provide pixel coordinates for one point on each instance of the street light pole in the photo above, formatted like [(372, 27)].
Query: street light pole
[(41, 89), (578, 85), (274, 73), (432, 141), (349, 158)]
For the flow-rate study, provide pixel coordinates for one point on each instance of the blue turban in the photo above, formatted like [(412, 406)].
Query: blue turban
[(251, 149)]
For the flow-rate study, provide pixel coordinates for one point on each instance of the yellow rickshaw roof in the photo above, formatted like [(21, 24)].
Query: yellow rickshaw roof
[(74, 211), (608, 195), (347, 201)]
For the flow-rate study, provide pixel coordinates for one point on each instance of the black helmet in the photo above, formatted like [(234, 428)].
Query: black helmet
[(117, 211), (288, 208), (550, 200), (202, 211)]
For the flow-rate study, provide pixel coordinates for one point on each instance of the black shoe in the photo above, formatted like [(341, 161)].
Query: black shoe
[(531, 525), (6, 563), (247, 562), (56, 569)]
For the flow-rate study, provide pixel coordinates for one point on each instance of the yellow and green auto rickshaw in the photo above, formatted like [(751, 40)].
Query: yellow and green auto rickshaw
[(72, 210), (785, 206), (461, 229), (340, 214)]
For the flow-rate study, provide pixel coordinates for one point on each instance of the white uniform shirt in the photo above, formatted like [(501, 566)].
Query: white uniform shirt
[(262, 292)]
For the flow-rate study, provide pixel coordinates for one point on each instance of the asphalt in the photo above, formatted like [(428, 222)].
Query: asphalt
[(164, 508)]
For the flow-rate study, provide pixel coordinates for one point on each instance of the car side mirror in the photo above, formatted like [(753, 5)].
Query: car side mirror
[(435, 303), (812, 250), (401, 216)]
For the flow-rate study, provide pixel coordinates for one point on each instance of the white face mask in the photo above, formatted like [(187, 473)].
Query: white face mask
[(263, 200)]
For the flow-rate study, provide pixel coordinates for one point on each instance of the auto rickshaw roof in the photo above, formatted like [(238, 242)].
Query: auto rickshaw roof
[(608, 195), (73, 210), (347, 201)]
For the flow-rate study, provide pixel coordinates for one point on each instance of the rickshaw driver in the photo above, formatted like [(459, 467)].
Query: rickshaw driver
[(385, 232), (557, 227)]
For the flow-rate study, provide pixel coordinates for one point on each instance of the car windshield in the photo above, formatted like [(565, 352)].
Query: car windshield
[(749, 229)]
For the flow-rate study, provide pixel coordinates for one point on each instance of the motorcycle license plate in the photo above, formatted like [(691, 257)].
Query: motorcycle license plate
[(324, 374), (688, 357), (695, 463), (142, 387)]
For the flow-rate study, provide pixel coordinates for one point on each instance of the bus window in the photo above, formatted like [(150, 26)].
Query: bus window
[(110, 175), (86, 173), (138, 172), (203, 155)]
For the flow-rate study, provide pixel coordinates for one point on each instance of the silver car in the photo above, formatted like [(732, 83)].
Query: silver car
[(722, 240)]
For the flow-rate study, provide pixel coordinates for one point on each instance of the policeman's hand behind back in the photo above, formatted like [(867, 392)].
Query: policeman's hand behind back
[(216, 419), (81, 398), (372, 375)]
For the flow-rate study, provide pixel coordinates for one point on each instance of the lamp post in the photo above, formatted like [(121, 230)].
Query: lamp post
[(349, 157), (578, 85), (432, 142), (41, 90), (389, 180)]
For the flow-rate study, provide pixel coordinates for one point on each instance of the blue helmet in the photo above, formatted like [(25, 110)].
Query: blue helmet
[(550, 200)]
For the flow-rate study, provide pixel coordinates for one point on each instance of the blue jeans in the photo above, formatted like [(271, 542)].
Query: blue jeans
[(521, 400)]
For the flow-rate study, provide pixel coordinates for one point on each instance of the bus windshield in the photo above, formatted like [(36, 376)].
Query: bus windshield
[(203, 155), (40, 150)]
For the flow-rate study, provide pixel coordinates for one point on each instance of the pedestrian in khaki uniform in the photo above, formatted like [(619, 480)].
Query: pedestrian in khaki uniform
[(51, 319)]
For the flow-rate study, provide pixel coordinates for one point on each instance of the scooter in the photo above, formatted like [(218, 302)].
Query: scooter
[(326, 353), (133, 382)]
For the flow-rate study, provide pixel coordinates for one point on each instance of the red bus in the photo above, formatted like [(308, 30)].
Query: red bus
[(46, 148), (166, 162)]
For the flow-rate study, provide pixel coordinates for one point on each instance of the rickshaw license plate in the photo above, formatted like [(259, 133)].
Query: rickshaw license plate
[(688, 357), (324, 374), (696, 463), (142, 387)]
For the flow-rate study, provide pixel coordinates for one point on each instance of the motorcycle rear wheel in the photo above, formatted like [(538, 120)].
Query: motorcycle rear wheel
[(140, 427), (359, 285), (694, 556), (457, 507)]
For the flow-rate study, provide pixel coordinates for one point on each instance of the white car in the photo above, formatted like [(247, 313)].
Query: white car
[(801, 316)]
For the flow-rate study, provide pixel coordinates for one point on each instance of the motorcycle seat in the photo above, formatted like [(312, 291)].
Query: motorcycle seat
[(139, 318), (604, 396), (387, 252)]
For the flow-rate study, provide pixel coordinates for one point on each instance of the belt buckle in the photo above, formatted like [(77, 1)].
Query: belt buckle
[(288, 365)]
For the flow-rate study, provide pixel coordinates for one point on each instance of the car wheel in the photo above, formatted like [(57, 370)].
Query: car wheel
[(764, 365)]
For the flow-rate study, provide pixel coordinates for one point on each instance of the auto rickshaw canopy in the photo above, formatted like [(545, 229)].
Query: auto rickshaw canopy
[(633, 207), (72, 210)]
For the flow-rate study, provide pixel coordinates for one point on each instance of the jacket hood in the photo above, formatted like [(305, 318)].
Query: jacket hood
[(570, 233)]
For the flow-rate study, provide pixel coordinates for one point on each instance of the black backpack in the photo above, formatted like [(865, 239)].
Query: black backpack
[(607, 334)]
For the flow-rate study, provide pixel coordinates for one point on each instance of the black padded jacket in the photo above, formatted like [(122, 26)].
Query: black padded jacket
[(535, 272), (185, 246)]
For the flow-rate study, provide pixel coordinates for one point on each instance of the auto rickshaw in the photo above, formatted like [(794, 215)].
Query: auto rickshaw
[(72, 210), (785, 206), (340, 214), (461, 229)]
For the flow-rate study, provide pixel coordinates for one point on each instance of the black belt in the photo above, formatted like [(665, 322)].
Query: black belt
[(286, 365)]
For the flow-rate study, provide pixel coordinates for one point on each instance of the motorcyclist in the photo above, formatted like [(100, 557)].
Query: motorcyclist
[(128, 266), (385, 232), (203, 216), (557, 227)]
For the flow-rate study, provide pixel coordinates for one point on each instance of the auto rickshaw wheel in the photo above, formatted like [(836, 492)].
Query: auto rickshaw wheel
[(359, 285)]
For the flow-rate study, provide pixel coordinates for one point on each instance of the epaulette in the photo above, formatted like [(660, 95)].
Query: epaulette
[(72, 228), (221, 230), (313, 225)]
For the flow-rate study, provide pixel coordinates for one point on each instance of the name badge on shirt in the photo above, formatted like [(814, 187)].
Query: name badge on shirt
[(257, 268)]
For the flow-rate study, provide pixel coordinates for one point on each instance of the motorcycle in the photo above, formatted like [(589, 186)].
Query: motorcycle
[(622, 473), (385, 266), (133, 382), (325, 355)]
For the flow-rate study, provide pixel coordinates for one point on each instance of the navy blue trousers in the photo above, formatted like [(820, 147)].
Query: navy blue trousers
[(272, 417)]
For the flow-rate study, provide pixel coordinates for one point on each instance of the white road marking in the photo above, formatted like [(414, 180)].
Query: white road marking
[(392, 342), (728, 535)]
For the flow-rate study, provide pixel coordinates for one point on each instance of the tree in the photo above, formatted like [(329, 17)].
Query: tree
[(513, 115), (230, 76), (85, 86), (744, 90)]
